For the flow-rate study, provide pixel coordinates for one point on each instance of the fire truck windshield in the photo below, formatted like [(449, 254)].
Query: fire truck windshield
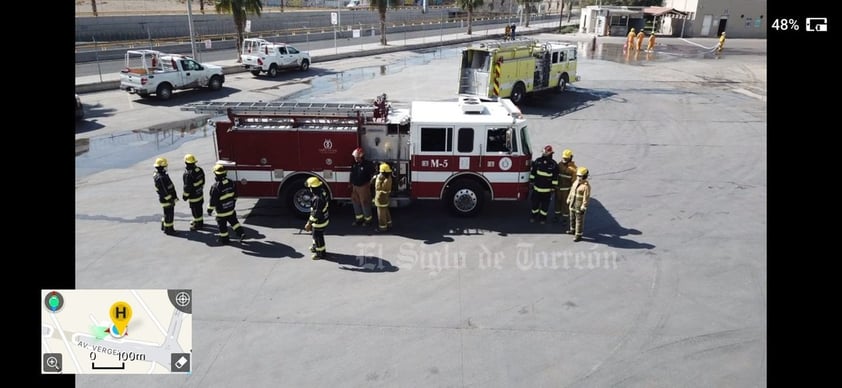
[(524, 138)]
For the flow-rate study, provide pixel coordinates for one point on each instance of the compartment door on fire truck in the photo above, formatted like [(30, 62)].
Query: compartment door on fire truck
[(433, 161)]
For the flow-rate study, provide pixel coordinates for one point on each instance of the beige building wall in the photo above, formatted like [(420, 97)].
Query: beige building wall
[(738, 18)]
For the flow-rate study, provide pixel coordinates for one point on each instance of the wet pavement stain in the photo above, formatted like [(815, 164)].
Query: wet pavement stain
[(347, 79)]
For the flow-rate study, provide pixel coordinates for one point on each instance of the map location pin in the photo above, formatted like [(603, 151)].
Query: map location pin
[(120, 313)]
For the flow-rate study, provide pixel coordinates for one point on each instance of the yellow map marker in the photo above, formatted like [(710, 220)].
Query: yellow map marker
[(120, 313)]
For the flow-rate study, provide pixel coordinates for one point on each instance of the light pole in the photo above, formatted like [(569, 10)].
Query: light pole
[(190, 23)]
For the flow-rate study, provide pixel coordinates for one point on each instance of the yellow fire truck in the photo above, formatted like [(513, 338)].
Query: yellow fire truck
[(513, 68)]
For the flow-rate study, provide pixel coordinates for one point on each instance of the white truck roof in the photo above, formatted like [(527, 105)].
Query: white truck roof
[(468, 109)]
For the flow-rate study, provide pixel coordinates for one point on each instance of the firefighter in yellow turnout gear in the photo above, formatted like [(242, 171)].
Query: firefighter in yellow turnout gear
[(566, 176), (640, 36), (578, 199), (382, 193), (721, 44), (630, 40)]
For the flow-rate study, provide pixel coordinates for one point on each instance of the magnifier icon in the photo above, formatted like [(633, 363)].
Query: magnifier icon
[(52, 362)]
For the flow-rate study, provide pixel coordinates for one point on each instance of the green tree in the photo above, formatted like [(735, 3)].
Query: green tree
[(469, 5), (240, 9), (381, 6)]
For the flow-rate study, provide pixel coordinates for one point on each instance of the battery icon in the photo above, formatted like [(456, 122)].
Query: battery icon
[(817, 24)]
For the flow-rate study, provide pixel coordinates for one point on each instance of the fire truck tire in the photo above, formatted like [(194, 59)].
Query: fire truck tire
[(465, 198), (305, 65), (562, 83), (215, 83), (255, 73), (518, 93), (164, 91), (273, 71), (296, 197)]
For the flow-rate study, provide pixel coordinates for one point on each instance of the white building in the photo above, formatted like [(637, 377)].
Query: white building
[(685, 18)]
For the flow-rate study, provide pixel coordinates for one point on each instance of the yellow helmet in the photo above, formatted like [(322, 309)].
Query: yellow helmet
[(219, 169), (385, 167), (567, 154), (161, 162), (582, 172), (632, 30), (313, 182), (189, 158)]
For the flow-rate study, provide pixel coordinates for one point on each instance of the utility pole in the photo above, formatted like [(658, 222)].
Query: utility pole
[(190, 22)]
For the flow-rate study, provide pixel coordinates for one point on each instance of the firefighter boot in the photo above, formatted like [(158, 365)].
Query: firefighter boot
[(196, 225), (223, 240), (313, 248), (169, 231), (242, 234)]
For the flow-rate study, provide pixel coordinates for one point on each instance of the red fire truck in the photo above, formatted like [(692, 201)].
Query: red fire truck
[(463, 152)]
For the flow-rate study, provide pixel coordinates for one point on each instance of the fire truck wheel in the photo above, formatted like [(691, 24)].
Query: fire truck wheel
[(518, 92), (255, 73), (273, 71), (297, 198), (465, 198), (305, 65), (562, 83)]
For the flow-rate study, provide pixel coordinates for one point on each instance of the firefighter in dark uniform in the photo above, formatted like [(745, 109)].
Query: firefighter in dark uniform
[(362, 172), (319, 217), (544, 181), (194, 191), (223, 199), (166, 195)]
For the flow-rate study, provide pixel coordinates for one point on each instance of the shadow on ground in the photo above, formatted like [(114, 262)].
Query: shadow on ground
[(497, 219), (553, 105)]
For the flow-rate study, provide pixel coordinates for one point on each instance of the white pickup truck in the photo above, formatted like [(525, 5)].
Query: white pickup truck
[(271, 58), (149, 72)]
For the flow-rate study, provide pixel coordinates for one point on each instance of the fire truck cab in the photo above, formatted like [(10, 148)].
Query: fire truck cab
[(463, 152)]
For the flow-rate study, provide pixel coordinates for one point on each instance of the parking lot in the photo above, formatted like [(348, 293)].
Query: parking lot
[(668, 287)]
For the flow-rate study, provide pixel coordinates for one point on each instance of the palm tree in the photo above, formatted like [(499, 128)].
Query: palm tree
[(469, 5), (381, 6), (239, 8)]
